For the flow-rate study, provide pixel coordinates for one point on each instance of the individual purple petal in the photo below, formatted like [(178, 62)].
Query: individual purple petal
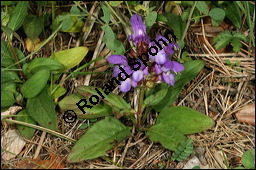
[(137, 75), (161, 58), (145, 71), (168, 78), (169, 50), (177, 67), (167, 66), (134, 83), (125, 85), (161, 37), (116, 71), (160, 78), (157, 69), (117, 59), (139, 30), (128, 70)]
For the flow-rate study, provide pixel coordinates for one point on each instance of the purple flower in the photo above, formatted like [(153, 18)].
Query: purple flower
[(135, 76), (159, 59), (139, 30)]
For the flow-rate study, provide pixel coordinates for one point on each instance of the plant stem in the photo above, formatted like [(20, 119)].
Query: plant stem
[(128, 7), (140, 108), (189, 19)]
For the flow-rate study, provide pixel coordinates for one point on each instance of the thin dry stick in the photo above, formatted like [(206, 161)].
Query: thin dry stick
[(40, 144), (120, 161), (95, 55)]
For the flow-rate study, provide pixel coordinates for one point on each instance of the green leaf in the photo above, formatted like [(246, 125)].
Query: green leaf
[(33, 26), (248, 159), (155, 98), (112, 43), (35, 84), (69, 23), (7, 98), (99, 110), (192, 68), (100, 138), (184, 119), (236, 44), (111, 99), (25, 131), (9, 86), (167, 135), (6, 54), (9, 76), (217, 14), (42, 110), (202, 7), (161, 18), (183, 151), (38, 64), (106, 17), (115, 3), (234, 14), (222, 39), (59, 92), (151, 19), (175, 22), (18, 15), (74, 10), (70, 57)]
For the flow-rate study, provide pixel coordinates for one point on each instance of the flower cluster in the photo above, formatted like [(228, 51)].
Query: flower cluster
[(158, 62)]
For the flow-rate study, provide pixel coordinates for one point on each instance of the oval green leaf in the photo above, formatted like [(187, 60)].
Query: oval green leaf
[(25, 131), (35, 84), (184, 119), (18, 15), (7, 99), (202, 7), (217, 14), (44, 64), (99, 110), (59, 92), (248, 159), (42, 110), (167, 135), (234, 14), (111, 98), (70, 57), (100, 138), (156, 97)]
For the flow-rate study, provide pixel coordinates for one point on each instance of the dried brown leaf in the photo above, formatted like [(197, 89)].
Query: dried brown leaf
[(247, 114)]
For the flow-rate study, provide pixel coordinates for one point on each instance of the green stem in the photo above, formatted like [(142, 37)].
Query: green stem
[(189, 19), (148, 109), (140, 108), (113, 11), (128, 7)]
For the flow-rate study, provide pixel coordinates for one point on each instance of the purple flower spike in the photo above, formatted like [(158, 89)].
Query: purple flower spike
[(139, 30)]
